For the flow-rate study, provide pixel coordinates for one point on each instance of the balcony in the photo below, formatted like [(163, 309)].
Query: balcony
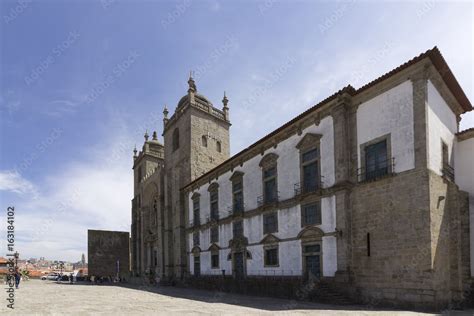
[(236, 210), (448, 172), (194, 223), (268, 200), (301, 188), (212, 218), (381, 170)]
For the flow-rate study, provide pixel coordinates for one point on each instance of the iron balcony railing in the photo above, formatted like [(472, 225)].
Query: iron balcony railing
[(194, 222), (236, 209), (268, 199), (303, 188), (376, 171), (212, 218), (448, 172)]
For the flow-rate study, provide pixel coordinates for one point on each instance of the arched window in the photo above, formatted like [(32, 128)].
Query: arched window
[(175, 139), (218, 146), (204, 140)]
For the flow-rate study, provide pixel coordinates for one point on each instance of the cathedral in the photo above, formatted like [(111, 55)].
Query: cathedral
[(197, 140), (369, 192)]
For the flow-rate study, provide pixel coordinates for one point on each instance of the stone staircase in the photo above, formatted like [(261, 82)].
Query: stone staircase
[(322, 292)]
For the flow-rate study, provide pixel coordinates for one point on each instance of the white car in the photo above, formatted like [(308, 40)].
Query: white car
[(53, 276)]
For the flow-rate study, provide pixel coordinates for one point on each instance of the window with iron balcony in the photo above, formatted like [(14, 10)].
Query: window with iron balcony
[(310, 164), (214, 199), (376, 160)]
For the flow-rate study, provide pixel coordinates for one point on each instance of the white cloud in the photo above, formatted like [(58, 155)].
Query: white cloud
[(93, 192), (12, 181)]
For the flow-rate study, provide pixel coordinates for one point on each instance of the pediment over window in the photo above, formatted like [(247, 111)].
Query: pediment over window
[(269, 160), (214, 247), (213, 187), (236, 175), (238, 243), (196, 251), (270, 239), (309, 140), (312, 233), (196, 195)]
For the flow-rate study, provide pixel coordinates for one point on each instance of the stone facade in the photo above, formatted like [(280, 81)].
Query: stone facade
[(196, 140), (304, 204), (108, 253)]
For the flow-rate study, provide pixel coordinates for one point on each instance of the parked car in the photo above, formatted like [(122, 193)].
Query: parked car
[(53, 276)]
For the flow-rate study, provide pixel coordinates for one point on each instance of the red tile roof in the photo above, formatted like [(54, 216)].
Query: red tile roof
[(433, 54)]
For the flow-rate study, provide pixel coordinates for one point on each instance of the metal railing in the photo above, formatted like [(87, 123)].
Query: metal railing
[(448, 172), (380, 170), (254, 273), (267, 200), (237, 209), (194, 223), (212, 218), (303, 188)]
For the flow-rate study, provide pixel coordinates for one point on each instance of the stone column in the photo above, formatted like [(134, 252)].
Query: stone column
[(345, 173), (420, 97)]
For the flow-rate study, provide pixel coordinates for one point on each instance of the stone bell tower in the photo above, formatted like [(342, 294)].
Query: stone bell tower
[(196, 140)]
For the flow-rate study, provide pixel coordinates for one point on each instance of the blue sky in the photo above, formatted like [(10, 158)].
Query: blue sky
[(80, 82)]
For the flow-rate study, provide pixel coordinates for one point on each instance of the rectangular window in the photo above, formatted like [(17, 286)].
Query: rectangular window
[(214, 234), (215, 260), (238, 197), (195, 238), (271, 257), (448, 170), (376, 160), (310, 170), (196, 212), (238, 229), (311, 214), (270, 223), (270, 185), (214, 205), (197, 266)]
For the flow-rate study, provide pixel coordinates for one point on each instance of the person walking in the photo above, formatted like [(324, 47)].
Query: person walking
[(17, 278)]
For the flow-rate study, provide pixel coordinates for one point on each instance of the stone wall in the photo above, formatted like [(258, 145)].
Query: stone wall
[(104, 249), (395, 212)]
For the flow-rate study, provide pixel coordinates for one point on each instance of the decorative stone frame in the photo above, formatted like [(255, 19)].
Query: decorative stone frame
[(214, 250), (309, 202), (237, 176), (270, 242), (239, 245), (198, 238), (388, 140), (268, 214), (310, 236), (210, 233), (213, 188), (267, 162), (309, 142), (196, 197)]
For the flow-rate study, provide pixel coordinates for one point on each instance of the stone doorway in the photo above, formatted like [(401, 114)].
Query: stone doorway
[(239, 266)]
